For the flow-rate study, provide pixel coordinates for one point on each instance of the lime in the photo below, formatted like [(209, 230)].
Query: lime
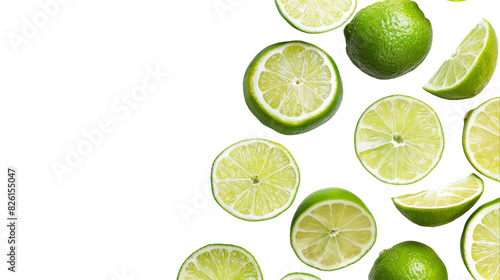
[(220, 262), (255, 179), (388, 38), (399, 139), (300, 276), (316, 16), (438, 207), (481, 138), (470, 67), (409, 260), (480, 242), (331, 229), (292, 87)]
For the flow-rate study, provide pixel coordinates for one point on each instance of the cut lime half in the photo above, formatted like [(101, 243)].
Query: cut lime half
[(255, 179), (481, 138), (316, 16), (292, 87), (300, 276), (480, 242), (331, 229), (220, 262), (470, 67), (438, 207), (399, 139)]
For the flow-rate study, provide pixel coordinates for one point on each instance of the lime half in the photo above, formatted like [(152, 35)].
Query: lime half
[(331, 229), (470, 67), (481, 138), (480, 243), (255, 179), (399, 139), (292, 87), (316, 16), (438, 207), (220, 261), (300, 276)]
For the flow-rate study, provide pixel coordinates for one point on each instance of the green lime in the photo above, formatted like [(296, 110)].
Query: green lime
[(438, 207), (292, 87), (409, 260), (399, 139), (300, 276), (480, 242), (255, 179), (316, 16), (481, 138), (470, 67), (331, 229), (388, 38), (220, 261)]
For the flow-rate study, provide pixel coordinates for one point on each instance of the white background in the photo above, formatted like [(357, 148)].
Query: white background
[(139, 203)]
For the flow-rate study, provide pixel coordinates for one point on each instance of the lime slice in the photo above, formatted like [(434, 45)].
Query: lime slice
[(220, 261), (331, 229), (438, 207), (470, 67), (300, 276), (316, 16), (481, 138), (480, 243), (292, 87), (399, 139), (255, 179)]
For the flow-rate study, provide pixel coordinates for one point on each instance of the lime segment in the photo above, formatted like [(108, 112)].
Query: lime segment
[(255, 179), (300, 276)]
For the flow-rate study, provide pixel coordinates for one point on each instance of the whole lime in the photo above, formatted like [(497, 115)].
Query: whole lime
[(408, 260), (388, 38)]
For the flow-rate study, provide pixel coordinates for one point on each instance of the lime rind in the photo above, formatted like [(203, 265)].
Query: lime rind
[(251, 217), (226, 247), (467, 239), (317, 13), (272, 117), (468, 71), (433, 208), (324, 197), (469, 123), (360, 149), (300, 276)]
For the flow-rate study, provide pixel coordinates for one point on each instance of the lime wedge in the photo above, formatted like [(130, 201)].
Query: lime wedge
[(300, 276), (331, 229), (316, 16), (255, 179), (480, 242), (292, 87), (399, 139), (470, 67), (481, 138), (438, 207), (220, 261)]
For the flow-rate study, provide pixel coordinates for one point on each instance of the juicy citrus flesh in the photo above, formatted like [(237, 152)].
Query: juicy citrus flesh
[(454, 194), (294, 81), (220, 262), (316, 16), (334, 234), (255, 179), (300, 276), (399, 139), (455, 69), (482, 138), (482, 248)]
